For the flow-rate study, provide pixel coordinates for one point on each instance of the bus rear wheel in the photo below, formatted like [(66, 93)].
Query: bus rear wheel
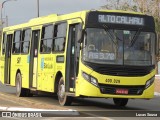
[(120, 101), (21, 92), (64, 100)]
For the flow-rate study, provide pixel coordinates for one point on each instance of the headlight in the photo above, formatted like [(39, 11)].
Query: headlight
[(86, 76), (94, 81), (149, 82), (90, 79)]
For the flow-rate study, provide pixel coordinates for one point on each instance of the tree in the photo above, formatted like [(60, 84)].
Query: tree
[(118, 5), (149, 7)]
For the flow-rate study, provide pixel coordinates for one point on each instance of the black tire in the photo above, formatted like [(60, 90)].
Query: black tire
[(27, 93), (121, 102), (21, 92), (64, 100)]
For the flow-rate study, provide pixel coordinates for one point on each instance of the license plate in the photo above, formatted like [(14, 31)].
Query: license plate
[(121, 91)]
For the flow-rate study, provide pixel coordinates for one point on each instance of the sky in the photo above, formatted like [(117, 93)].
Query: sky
[(21, 11)]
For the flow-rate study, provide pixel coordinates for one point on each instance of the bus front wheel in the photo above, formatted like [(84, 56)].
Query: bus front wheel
[(62, 97), (120, 101), (21, 92)]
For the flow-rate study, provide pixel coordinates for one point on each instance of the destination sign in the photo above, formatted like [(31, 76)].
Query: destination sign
[(117, 19)]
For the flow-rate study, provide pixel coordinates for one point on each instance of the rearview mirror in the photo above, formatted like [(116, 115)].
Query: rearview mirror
[(79, 33), (157, 50)]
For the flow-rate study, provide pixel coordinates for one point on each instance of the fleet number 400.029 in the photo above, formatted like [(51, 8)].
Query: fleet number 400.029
[(113, 81)]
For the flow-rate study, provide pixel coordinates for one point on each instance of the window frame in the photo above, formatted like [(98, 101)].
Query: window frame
[(14, 53), (25, 29), (45, 39), (4, 40), (64, 37)]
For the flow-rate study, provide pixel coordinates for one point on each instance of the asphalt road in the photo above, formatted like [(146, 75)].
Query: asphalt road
[(100, 105)]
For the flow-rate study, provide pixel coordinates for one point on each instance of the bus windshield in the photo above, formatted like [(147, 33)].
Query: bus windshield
[(121, 47)]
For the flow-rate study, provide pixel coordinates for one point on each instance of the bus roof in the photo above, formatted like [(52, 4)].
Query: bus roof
[(121, 11), (54, 18)]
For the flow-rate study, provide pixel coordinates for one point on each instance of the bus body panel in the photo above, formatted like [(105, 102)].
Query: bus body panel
[(46, 72), (2, 69), (120, 80), (48, 66), (20, 63), (89, 90)]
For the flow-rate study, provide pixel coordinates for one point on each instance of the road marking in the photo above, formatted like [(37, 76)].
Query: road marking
[(78, 118), (97, 116), (16, 118), (56, 112)]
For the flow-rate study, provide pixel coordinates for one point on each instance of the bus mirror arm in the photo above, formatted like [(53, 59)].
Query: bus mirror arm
[(3, 51), (157, 50), (80, 36), (80, 47), (79, 33)]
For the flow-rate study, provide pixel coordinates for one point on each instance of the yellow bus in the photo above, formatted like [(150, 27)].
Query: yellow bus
[(101, 53)]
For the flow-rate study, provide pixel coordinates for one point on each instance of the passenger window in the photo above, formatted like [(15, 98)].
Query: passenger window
[(59, 37), (16, 42), (25, 43), (46, 39)]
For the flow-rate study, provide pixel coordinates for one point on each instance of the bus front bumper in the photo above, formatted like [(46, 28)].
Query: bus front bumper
[(87, 89)]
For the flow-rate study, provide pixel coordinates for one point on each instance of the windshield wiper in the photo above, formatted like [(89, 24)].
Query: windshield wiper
[(135, 37), (110, 34)]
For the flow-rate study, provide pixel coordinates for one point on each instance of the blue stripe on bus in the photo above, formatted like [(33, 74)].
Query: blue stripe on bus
[(42, 63)]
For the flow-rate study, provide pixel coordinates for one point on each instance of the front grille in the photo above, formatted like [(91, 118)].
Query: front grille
[(121, 70), (111, 89)]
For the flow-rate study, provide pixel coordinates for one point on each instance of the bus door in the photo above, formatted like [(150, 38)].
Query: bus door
[(72, 59), (33, 67), (7, 65)]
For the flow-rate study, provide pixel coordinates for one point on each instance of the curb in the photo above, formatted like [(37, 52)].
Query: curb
[(43, 108), (30, 103), (156, 76), (47, 111), (156, 94)]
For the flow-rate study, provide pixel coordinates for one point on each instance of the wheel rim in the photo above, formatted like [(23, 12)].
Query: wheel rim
[(62, 91), (18, 85)]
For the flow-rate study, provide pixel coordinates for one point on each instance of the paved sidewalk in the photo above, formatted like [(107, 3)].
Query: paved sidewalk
[(157, 84)]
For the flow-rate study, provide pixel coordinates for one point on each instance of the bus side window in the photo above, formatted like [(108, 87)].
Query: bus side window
[(59, 37), (46, 39), (42, 46), (25, 43), (16, 42)]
